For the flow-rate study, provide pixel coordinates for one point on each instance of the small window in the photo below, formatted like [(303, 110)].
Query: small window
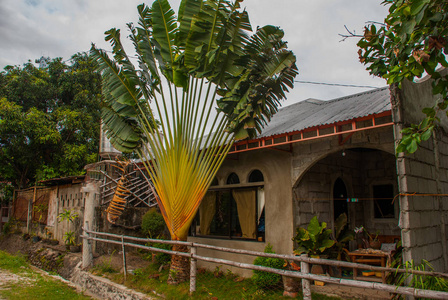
[(383, 206), (233, 179), (256, 176)]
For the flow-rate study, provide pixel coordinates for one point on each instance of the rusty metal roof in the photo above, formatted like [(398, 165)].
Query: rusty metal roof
[(312, 112)]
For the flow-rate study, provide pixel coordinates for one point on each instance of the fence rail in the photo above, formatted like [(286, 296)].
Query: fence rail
[(304, 273)]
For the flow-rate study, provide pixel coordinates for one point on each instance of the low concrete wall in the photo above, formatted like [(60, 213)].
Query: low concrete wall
[(104, 288)]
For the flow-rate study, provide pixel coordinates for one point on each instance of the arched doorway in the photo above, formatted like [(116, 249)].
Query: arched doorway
[(340, 196), (367, 177)]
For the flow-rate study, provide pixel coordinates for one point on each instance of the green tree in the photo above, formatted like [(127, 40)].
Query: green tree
[(49, 120), (411, 41), (186, 66)]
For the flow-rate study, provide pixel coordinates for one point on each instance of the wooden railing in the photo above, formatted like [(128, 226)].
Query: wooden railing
[(304, 273)]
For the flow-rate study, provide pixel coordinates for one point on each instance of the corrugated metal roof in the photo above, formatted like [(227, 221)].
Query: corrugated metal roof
[(312, 112)]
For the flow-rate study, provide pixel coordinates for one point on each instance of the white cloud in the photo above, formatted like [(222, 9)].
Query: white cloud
[(30, 29)]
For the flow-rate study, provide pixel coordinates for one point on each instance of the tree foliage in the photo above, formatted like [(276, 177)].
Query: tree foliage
[(411, 43), (49, 119)]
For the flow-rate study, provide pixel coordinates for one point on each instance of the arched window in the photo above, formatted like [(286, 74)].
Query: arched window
[(256, 176), (233, 179), (234, 211)]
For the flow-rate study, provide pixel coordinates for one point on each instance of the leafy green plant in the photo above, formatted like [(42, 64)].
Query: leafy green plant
[(267, 280), (67, 215), (153, 224), (314, 240), (425, 282), (342, 235), (162, 258), (70, 238)]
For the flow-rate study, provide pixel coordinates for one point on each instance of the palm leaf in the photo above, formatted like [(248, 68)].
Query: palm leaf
[(164, 31)]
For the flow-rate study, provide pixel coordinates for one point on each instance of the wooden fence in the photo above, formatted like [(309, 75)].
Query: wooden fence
[(304, 273)]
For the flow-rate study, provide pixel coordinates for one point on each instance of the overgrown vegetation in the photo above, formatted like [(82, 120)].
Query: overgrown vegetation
[(420, 281), (33, 285), (153, 224), (266, 280)]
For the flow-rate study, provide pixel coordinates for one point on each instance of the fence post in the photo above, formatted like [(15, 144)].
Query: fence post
[(193, 269), (87, 255), (125, 271), (306, 287)]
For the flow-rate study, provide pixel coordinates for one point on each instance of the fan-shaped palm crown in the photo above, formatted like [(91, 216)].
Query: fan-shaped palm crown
[(206, 81)]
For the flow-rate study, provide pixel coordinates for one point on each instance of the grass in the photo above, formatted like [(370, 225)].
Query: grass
[(34, 285), (210, 285), (149, 280)]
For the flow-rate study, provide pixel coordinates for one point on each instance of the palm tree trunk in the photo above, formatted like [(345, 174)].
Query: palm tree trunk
[(180, 266)]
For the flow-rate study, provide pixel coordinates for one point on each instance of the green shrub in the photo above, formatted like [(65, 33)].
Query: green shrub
[(266, 280), (6, 228), (153, 224), (162, 258)]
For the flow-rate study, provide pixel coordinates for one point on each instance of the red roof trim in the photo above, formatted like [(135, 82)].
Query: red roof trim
[(316, 132)]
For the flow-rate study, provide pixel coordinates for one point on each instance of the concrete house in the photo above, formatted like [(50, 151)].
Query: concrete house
[(325, 158), (319, 158)]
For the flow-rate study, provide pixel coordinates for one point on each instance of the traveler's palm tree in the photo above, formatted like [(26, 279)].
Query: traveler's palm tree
[(201, 83)]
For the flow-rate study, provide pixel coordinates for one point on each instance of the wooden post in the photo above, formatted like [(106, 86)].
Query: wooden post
[(306, 286), (87, 255), (125, 271), (30, 211), (193, 270)]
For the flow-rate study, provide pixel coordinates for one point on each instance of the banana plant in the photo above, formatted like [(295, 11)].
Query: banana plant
[(195, 84)]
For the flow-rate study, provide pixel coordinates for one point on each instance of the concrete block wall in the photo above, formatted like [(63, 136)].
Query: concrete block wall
[(315, 170), (423, 217), (359, 171)]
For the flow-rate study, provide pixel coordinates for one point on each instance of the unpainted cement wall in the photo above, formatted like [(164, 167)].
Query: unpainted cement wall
[(424, 217), (317, 165), (360, 171)]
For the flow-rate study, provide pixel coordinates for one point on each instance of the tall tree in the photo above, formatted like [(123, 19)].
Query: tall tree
[(49, 119), (411, 41), (208, 82)]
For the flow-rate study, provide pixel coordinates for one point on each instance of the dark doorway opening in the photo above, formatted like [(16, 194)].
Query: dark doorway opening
[(339, 198)]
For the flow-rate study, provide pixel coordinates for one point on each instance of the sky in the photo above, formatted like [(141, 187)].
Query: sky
[(30, 29)]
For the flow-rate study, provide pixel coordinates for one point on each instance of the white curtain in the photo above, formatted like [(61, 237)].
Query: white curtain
[(260, 197)]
